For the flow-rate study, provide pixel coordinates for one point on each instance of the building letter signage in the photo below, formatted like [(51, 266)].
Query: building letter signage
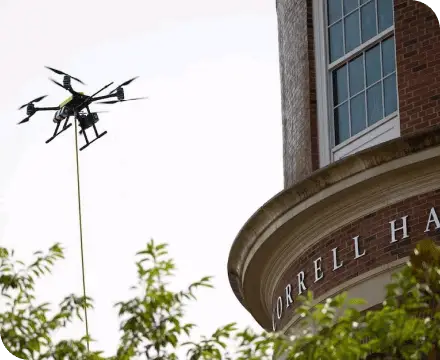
[(279, 307), (433, 218), (336, 266), (289, 299), (356, 248), (318, 270), (274, 326), (301, 286), (399, 231), (404, 227)]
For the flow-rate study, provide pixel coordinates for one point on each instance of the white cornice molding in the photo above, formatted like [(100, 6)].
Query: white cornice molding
[(363, 167), (357, 196)]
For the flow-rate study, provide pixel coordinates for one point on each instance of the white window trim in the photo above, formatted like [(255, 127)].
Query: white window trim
[(386, 129), (327, 151), (321, 61)]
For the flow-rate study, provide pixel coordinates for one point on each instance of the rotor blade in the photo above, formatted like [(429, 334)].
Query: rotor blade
[(39, 99), (116, 101), (124, 84), (56, 82), (108, 102), (73, 92), (59, 72), (33, 101), (26, 119), (138, 98), (55, 70)]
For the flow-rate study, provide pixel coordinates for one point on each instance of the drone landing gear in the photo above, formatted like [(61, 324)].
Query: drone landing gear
[(56, 133), (87, 140)]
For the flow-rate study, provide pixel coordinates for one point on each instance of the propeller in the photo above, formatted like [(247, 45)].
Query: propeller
[(116, 101), (124, 84), (59, 72), (56, 82), (69, 89), (26, 119), (33, 101), (99, 112)]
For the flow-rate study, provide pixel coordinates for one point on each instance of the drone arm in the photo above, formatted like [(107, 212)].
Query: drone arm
[(26, 119), (47, 108)]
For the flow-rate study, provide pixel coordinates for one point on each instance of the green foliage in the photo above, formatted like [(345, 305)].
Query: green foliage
[(406, 327), (153, 327), (152, 321), (27, 328)]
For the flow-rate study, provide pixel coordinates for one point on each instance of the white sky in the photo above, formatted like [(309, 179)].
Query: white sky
[(187, 167)]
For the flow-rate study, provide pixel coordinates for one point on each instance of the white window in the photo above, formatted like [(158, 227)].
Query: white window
[(356, 75)]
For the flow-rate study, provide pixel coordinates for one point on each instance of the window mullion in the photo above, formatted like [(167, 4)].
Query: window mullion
[(377, 14), (343, 26), (365, 85), (348, 100), (382, 81)]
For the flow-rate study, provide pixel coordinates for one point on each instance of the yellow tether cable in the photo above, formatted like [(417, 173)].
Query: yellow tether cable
[(80, 232)]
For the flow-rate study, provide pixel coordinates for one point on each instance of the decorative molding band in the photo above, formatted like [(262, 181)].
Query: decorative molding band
[(351, 205), (266, 233)]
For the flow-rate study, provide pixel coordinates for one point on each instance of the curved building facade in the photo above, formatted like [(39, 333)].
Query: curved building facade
[(360, 82)]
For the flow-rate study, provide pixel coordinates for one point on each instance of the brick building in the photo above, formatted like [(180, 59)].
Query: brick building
[(360, 83)]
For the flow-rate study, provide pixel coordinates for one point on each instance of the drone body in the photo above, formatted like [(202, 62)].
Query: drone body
[(78, 106)]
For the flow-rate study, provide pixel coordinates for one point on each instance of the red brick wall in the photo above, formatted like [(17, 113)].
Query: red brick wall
[(374, 233), (417, 34)]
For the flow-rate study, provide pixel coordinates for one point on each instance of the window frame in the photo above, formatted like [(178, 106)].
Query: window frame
[(388, 127)]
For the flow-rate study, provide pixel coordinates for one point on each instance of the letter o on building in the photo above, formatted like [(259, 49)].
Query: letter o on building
[(279, 307)]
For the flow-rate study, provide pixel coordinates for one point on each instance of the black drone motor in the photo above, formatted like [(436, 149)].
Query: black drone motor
[(66, 81), (30, 110), (120, 94)]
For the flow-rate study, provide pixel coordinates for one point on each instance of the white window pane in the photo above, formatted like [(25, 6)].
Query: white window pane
[(356, 75), (368, 21), (336, 45), (334, 10), (374, 104), (372, 64), (350, 5), (357, 113), (340, 91), (390, 93), (388, 56), (342, 130), (385, 12), (352, 35)]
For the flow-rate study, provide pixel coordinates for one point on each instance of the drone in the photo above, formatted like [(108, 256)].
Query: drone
[(78, 106)]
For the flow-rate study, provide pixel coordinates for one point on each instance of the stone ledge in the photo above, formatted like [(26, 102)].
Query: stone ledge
[(318, 181)]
